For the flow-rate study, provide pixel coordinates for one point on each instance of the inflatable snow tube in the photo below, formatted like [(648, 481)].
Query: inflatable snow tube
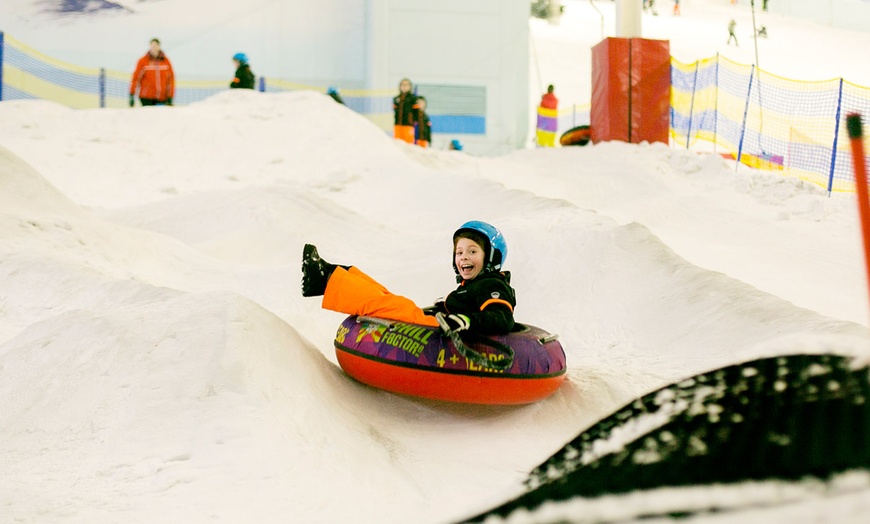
[(576, 136), (521, 367)]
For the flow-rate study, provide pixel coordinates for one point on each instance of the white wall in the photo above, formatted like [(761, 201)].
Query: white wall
[(461, 42)]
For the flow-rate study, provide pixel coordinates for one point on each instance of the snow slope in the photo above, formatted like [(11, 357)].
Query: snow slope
[(157, 353), (157, 362)]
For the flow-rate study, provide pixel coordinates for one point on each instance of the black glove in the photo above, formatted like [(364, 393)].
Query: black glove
[(456, 323), (437, 307), (132, 100), (169, 101), (430, 310)]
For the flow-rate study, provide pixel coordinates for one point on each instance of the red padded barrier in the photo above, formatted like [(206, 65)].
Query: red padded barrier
[(631, 90)]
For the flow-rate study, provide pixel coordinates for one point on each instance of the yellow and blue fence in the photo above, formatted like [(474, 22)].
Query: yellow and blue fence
[(25, 73), (766, 121), (762, 120)]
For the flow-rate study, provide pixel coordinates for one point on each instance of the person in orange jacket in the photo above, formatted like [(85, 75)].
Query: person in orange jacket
[(549, 100), (548, 119), (153, 77), (483, 302), (405, 112)]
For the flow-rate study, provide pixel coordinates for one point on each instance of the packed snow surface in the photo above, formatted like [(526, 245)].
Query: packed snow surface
[(159, 364)]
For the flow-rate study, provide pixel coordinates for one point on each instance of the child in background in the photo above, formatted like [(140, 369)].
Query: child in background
[(483, 302), (335, 94), (424, 127), (404, 112), (244, 78)]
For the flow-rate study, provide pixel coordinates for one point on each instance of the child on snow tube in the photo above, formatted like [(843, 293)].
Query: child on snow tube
[(483, 302)]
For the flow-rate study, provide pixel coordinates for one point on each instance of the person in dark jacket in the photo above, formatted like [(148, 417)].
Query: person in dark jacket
[(405, 110), (483, 302), (424, 126), (244, 78), (335, 94)]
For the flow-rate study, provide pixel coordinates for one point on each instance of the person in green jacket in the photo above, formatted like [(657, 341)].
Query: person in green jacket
[(244, 78)]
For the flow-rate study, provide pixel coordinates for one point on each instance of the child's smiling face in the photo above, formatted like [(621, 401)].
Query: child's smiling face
[(468, 257)]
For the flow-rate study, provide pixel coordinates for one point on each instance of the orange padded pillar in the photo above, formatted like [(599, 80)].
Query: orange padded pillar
[(631, 90)]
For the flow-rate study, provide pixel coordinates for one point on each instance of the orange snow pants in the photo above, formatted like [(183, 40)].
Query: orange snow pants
[(355, 293), (405, 133)]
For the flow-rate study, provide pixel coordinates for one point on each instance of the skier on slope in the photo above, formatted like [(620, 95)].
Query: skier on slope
[(731, 26)]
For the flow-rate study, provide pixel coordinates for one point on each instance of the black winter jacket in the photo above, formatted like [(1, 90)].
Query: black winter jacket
[(405, 109), (337, 98), (487, 300), (244, 78), (424, 127)]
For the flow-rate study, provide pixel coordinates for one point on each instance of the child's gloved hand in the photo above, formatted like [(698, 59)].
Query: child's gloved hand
[(430, 310), (456, 323), (437, 307)]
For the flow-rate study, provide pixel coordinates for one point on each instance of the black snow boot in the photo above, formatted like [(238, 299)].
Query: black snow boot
[(315, 272)]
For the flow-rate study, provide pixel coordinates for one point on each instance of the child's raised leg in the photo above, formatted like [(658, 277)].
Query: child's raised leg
[(355, 293)]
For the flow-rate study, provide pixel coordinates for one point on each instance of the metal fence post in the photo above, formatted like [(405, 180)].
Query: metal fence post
[(716, 108), (745, 113), (836, 137), (692, 104), (2, 48), (102, 87)]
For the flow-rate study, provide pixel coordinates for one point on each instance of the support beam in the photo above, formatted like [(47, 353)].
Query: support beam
[(628, 18)]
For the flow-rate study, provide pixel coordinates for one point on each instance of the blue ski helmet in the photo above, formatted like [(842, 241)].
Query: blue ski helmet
[(495, 250), (241, 57), (332, 90)]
